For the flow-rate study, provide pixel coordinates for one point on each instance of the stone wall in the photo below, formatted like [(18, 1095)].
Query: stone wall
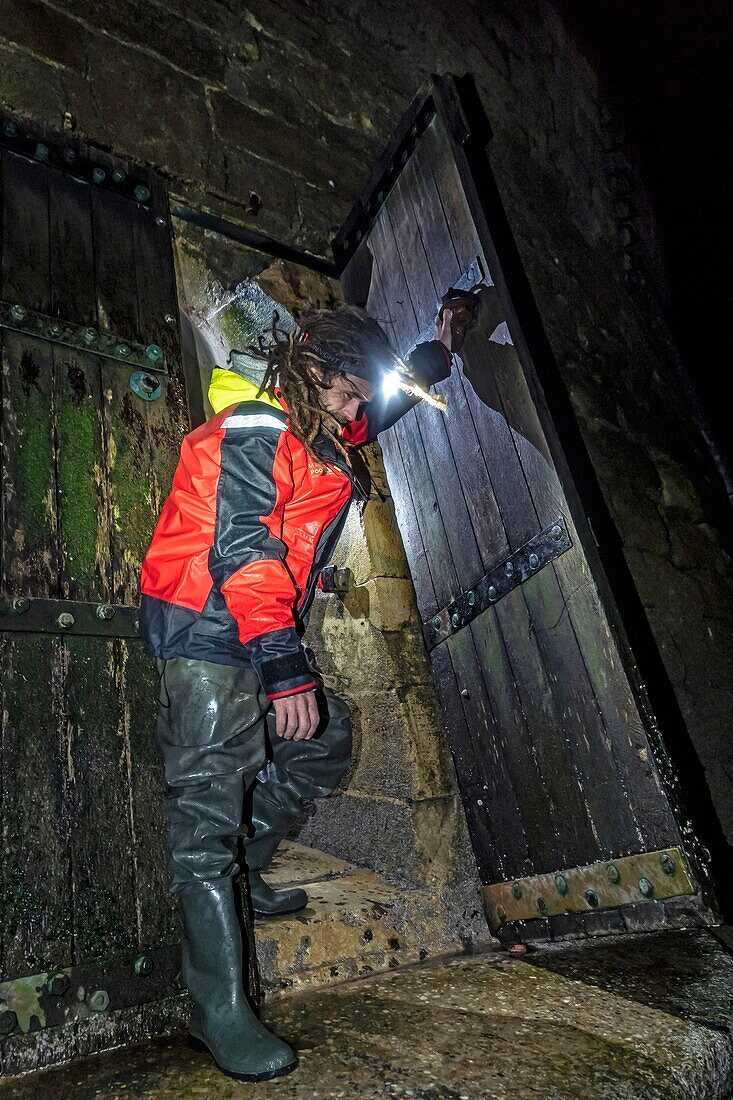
[(272, 114)]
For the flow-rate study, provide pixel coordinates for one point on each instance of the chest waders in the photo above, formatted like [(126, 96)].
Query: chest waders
[(218, 745)]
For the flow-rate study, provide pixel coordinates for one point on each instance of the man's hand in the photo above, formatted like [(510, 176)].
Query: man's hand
[(296, 716), (442, 328)]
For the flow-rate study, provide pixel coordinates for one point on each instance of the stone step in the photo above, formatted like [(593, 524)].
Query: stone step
[(355, 924)]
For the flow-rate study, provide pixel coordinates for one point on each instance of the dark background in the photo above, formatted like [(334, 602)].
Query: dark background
[(667, 66)]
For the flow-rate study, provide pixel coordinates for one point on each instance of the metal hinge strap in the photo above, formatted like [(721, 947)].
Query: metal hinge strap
[(628, 880), (39, 616), (19, 318), (509, 574)]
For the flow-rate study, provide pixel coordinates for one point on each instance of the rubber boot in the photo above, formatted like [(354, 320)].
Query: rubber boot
[(298, 770), (267, 902), (222, 1023)]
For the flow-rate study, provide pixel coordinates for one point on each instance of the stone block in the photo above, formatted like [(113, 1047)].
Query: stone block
[(153, 27), (45, 31), (383, 538), (429, 754), (392, 604), (36, 89), (275, 139), (122, 82)]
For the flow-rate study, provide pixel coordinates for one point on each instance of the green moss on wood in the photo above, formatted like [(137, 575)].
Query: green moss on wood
[(79, 475), (134, 515), (35, 472)]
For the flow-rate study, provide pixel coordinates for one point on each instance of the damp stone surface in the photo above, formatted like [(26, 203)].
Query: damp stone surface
[(631, 1018)]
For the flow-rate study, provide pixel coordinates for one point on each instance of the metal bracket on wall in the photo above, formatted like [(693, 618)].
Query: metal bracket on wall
[(76, 158), (82, 337), (629, 880), (509, 574), (39, 616), (77, 993)]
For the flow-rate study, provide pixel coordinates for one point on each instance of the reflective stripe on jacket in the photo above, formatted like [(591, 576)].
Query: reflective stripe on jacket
[(250, 520)]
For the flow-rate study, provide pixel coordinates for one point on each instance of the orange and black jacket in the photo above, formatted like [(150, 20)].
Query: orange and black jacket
[(250, 521)]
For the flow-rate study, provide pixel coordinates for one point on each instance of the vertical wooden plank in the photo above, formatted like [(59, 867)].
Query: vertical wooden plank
[(446, 584), (476, 794), (156, 907), (127, 444), (498, 795), (433, 267), (399, 484), (105, 916), (36, 888), (408, 523), (84, 509), (400, 245), (29, 544), (168, 417), (524, 753)]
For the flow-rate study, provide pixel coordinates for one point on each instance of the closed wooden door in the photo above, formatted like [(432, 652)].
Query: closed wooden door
[(567, 791), (93, 410)]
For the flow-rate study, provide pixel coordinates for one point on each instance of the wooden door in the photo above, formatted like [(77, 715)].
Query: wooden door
[(567, 789), (93, 410)]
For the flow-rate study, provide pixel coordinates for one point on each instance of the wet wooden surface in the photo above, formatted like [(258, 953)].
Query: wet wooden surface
[(551, 751), (86, 467)]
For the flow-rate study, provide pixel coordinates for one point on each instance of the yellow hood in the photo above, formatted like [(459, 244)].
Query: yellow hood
[(227, 388)]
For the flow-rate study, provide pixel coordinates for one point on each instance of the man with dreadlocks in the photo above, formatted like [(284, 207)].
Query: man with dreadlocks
[(258, 502)]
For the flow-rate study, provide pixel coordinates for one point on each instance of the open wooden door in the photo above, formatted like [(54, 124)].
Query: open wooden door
[(94, 406), (568, 792)]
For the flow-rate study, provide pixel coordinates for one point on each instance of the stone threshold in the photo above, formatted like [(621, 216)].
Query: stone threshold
[(355, 924)]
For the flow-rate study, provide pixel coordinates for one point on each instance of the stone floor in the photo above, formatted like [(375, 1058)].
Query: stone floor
[(637, 1018)]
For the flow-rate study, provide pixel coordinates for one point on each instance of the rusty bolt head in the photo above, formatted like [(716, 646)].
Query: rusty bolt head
[(8, 1022), (105, 612), (160, 220), (556, 531), (57, 984), (455, 620), (437, 624), (89, 335), (492, 593), (500, 914), (534, 561), (65, 620), (561, 884), (141, 192), (98, 1001), (614, 875), (592, 898), (668, 864), (516, 891), (19, 605), (118, 175), (143, 965), (470, 598), (646, 888), (542, 907), (98, 175)]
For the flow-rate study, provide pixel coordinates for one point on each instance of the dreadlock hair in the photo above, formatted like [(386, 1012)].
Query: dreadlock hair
[(302, 374)]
